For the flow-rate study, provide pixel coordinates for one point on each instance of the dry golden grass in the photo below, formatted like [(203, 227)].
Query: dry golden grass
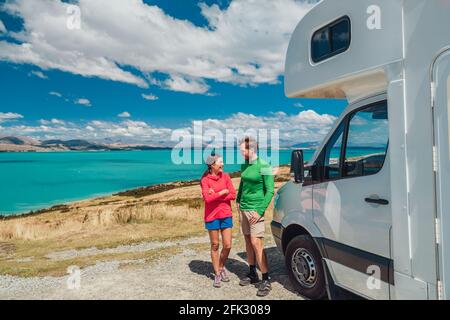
[(170, 213)]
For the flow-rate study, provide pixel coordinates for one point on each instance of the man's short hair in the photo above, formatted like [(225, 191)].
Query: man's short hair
[(250, 143)]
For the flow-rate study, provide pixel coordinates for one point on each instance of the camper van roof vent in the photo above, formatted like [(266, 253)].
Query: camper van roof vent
[(331, 40)]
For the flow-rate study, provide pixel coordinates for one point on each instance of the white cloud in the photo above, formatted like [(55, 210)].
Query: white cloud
[(83, 102), (56, 94), (242, 44), (149, 97), (8, 116), (177, 83), (2, 27), (124, 114), (52, 121), (131, 131), (38, 74), (57, 121), (306, 126), (98, 123)]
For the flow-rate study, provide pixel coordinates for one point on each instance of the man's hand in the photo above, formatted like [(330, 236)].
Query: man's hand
[(211, 191), (254, 217), (224, 192)]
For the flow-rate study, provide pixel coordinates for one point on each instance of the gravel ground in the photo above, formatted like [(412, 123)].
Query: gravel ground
[(183, 276), (141, 247)]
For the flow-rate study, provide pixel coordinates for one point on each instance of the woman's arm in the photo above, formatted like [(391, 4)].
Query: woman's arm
[(206, 195), (232, 191)]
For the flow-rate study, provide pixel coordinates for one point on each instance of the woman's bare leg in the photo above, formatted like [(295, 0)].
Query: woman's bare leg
[(226, 247), (214, 239)]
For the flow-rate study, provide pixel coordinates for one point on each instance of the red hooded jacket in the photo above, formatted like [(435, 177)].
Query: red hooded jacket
[(217, 206)]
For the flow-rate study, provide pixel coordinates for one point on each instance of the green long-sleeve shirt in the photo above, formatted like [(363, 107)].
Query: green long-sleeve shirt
[(257, 186)]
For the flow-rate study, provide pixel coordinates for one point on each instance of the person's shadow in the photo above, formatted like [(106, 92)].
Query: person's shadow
[(240, 267)]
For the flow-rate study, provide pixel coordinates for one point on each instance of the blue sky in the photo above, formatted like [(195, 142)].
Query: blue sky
[(137, 70)]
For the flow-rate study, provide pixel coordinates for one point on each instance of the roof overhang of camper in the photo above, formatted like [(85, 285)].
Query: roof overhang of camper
[(360, 71)]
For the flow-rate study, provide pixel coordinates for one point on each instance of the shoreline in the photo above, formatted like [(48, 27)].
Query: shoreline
[(61, 205), (138, 192)]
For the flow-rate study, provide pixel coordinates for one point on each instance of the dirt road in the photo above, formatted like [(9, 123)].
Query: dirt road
[(184, 275)]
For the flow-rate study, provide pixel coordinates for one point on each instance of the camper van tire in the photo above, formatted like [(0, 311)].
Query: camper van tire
[(304, 267)]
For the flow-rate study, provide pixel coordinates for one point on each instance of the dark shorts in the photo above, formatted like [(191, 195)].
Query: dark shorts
[(219, 224)]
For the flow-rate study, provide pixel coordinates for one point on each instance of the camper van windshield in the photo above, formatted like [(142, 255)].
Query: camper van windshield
[(331, 40), (367, 141), (359, 145)]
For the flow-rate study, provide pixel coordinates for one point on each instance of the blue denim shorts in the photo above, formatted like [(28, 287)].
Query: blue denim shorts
[(219, 224)]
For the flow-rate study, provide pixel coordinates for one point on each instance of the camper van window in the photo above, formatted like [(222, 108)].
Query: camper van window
[(331, 40), (321, 46), (367, 141), (332, 160), (340, 35)]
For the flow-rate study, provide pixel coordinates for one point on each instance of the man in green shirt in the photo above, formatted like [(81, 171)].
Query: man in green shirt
[(255, 193)]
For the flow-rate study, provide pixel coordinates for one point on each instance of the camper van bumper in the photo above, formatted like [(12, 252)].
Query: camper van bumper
[(277, 232)]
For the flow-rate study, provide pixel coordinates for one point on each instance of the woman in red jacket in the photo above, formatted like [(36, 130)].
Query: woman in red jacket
[(218, 191)]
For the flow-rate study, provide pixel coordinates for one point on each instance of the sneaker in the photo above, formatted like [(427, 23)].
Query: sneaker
[(264, 288), (249, 279), (224, 275), (217, 281)]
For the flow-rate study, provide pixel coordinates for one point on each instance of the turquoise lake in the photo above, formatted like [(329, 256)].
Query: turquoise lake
[(33, 181)]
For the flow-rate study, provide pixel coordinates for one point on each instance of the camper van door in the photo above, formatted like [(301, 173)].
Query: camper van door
[(441, 87), (352, 203)]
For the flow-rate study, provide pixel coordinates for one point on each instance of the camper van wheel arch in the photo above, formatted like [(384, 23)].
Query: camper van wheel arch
[(290, 233), (304, 267)]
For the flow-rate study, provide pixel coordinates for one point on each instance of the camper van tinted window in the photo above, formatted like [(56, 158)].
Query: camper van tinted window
[(340, 34), (367, 141), (321, 46), (331, 40)]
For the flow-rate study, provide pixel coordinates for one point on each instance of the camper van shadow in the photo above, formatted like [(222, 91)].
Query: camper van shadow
[(240, 268)]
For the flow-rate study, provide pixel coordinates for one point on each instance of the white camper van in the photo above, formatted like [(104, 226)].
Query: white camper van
[(369, 215)]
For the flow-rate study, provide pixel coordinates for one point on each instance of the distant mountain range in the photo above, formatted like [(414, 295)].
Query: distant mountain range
[(26, 144), (306, 145)]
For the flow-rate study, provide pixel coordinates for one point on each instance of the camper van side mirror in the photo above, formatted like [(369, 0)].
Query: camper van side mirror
[(297, 166)]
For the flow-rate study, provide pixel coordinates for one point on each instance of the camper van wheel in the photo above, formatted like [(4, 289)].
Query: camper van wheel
[(304, 266)]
